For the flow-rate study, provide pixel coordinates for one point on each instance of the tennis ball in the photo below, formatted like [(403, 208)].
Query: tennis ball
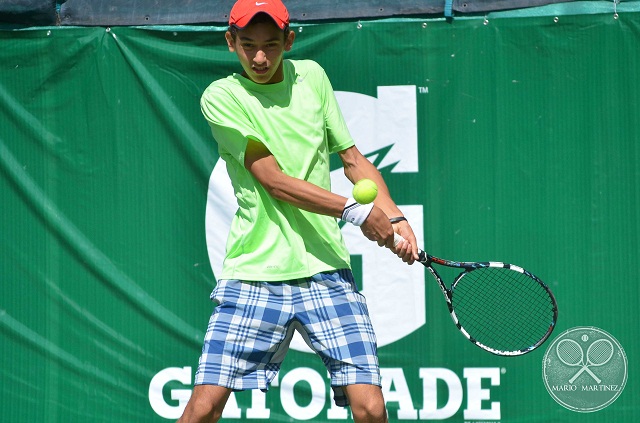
[(365, 191)]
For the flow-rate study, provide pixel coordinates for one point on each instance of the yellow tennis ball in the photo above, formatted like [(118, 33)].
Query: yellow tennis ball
[(365, 191)]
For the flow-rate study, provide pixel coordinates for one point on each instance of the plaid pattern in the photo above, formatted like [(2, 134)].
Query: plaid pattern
[(253, 322)]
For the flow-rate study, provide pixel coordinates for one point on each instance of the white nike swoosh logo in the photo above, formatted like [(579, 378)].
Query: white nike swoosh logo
[(260, 4)]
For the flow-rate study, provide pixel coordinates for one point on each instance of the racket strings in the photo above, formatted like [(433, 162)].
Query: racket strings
[(502, 308), (569, 352), (600, 352)]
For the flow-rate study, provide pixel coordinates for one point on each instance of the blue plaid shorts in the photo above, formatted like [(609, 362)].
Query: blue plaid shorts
[(252, 324)]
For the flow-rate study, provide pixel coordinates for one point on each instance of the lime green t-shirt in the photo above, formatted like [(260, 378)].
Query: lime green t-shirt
[(300, 122)]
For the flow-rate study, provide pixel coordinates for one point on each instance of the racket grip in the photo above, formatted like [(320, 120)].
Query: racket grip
[(397, 239)]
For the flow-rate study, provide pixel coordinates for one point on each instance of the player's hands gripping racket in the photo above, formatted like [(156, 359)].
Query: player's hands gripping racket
[(499, 307)]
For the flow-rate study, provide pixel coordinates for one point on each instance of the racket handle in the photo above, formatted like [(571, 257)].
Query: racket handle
[(397, 239)]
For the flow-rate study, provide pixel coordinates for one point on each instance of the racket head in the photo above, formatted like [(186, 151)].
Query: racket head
[(599, 352), (502, 308), (570, 352)]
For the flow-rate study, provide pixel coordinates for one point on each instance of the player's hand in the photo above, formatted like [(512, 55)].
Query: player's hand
[(407, 249), (378, 228)]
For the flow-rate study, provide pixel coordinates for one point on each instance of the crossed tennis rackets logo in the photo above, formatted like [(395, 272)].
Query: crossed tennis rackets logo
[(571, 353), (584, 369)]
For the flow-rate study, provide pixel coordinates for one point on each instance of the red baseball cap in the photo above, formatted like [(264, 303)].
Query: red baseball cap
[(244, 10)]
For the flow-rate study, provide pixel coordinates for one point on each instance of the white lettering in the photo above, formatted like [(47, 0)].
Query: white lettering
[(156, 399), (395, 377), (601, 388), (437, 384), (287, 396), (335, 412), (475, 393), (564, 387), (258, 409), (231, 409), (430, 410)]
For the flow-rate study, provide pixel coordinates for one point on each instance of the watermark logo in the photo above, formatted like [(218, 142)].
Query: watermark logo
[(585, 369)]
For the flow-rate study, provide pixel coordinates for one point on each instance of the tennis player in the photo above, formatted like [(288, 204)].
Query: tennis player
[(286, 266)]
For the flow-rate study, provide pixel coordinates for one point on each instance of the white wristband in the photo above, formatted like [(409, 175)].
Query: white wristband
[(355, 212)]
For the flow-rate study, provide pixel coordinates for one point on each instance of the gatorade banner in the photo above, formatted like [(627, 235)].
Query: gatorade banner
[(511, 140)]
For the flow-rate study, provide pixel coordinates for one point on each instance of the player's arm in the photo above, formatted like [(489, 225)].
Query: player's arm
[(307, 196), (357, 167), (302, 194)]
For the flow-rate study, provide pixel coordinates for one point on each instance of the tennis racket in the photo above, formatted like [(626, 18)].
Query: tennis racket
[(571, 354), (499, 307)]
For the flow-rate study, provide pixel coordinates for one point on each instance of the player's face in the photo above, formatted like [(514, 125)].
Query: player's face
[(260, 48)]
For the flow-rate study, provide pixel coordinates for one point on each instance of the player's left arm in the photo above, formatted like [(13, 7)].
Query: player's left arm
[(357, 167)]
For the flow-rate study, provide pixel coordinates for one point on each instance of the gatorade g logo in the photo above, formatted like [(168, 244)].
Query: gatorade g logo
[(385, 130)]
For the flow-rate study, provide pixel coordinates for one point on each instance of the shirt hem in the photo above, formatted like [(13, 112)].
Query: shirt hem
[(281, 277)]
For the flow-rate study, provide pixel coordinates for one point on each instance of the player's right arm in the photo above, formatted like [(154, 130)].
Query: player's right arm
[(357, 167), (263, 166), (305, 195)]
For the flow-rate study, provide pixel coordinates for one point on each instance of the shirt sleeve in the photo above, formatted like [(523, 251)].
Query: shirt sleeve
[(338, 134), (230, 126)]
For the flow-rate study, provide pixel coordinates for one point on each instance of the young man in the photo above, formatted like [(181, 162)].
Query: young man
[(286, 266)]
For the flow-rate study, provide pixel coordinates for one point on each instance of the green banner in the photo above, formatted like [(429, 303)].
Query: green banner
[(511, 140)]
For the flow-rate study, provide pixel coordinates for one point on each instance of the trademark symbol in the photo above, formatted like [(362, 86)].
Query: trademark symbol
[(423, 90), (503, 370)]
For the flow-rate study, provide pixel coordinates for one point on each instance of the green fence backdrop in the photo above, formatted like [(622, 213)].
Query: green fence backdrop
[(512, 139)]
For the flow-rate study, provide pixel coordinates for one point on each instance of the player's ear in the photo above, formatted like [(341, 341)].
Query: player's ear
[(288, 42), (230, 42)]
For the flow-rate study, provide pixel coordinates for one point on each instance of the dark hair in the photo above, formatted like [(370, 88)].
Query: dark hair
[(258, 18)]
